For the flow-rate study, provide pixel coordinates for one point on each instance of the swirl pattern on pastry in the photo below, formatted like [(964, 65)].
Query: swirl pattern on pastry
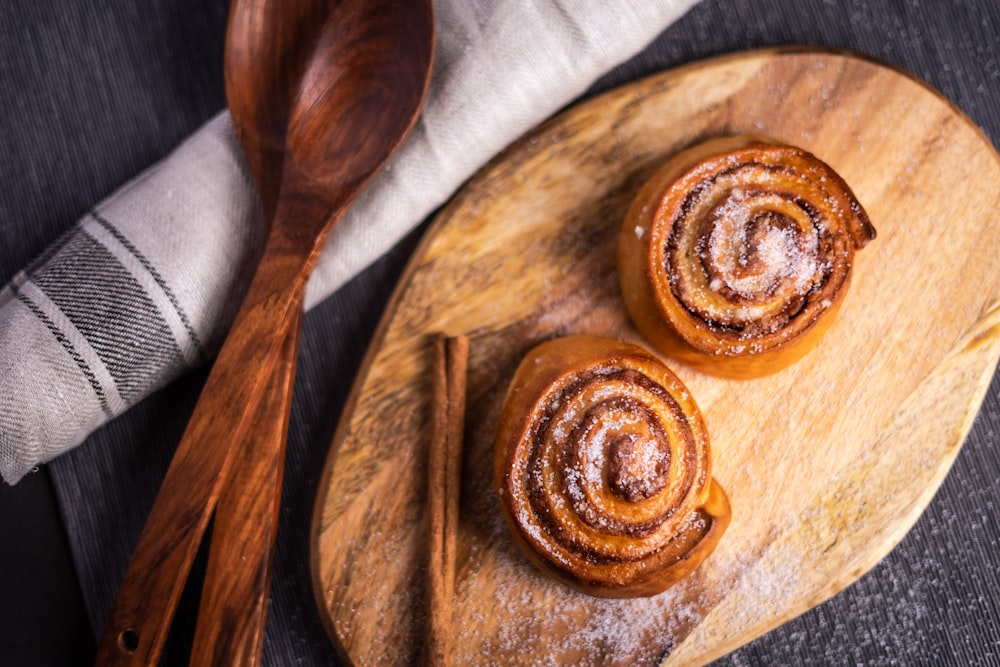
[(736, 254), (603, 468)]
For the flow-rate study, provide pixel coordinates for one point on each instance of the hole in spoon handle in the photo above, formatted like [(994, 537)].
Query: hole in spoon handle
[(148, 595), (128, 640)]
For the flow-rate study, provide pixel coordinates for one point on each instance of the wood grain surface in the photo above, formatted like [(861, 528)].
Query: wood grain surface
[(827, 463)]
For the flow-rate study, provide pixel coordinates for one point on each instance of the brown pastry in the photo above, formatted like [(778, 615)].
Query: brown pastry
[(736, 254), (603, 468)]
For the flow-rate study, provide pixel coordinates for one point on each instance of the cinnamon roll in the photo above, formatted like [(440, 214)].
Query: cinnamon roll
[(736, 254), (603, 468)]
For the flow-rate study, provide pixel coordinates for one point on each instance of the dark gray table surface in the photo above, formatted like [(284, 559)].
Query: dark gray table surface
[(92, 92)]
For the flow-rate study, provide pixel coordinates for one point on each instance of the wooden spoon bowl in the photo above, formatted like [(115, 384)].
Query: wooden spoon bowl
[(268, 46)]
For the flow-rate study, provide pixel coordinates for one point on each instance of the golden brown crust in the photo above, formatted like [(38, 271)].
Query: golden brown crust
[(735, 255), (602, 467)]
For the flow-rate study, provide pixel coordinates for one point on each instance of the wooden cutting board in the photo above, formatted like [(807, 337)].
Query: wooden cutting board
[(827, 464)]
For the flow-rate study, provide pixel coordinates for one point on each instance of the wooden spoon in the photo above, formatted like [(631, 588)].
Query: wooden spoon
[(360, 95), (232, 611), (234, 598)]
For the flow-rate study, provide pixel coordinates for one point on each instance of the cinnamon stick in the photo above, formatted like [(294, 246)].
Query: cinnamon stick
[(444, 467)]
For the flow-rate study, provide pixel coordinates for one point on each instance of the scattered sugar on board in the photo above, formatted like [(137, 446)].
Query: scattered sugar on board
[(772, 579), (397, 639), (557, 625), (607, 632)]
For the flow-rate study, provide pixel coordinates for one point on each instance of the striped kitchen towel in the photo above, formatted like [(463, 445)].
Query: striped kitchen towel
[(134, 294), (144, 286)]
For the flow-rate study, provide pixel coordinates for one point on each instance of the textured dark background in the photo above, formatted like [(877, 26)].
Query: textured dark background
[(93, 91)]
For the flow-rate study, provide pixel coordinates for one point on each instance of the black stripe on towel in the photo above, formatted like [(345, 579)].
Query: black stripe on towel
[(112, 311), (68, 346), (156, 276)]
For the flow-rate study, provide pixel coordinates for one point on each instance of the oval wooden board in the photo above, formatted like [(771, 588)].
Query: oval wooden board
[(827, 464)]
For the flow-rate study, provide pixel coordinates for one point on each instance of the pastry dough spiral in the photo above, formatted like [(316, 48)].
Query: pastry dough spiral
[(603, 468), (736, 254)]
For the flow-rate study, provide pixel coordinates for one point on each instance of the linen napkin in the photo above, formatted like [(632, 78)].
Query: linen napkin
[(144, 286)]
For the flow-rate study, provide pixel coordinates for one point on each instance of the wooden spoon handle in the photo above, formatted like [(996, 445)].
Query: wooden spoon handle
[(234, 598), (161, 562)]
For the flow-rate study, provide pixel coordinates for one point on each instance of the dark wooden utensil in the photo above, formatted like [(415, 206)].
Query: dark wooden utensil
[(359, 96), (232, 611), (234, 597)]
